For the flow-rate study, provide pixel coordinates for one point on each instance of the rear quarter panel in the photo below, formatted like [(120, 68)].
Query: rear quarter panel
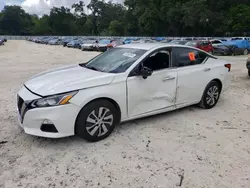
[(219, 71)]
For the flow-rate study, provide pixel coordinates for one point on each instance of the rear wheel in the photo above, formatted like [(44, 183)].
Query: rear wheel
[(211, 95), (97, 120)]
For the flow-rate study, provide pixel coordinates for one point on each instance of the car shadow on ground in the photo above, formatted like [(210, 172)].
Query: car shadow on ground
[(120, 129), (125, 126)]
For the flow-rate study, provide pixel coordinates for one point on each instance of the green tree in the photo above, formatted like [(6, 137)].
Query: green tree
[(42, 26), (62, 21), (15, 21), (80, 16), (116, 28), (239, 19), (134, 17)]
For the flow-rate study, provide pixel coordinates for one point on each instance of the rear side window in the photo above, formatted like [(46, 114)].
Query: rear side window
[(188, 57)]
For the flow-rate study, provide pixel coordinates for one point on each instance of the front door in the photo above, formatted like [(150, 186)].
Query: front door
[(157, 91)]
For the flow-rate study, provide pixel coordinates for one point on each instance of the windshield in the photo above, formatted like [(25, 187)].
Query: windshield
[(191, 43), (104, 41), (116, 60)]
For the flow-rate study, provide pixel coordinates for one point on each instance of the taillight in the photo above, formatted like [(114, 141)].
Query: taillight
[(228, 66)]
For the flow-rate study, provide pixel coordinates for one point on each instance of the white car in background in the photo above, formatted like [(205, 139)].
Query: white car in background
[(125, 83), (88, 45), (217, 42)]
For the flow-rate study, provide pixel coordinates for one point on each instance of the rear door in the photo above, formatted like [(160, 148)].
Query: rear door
[(193, 74)]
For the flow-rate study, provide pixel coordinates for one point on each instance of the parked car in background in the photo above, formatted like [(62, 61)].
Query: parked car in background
[(46, 40), (243, 45), (241, 38), (248, 65), (66, 41), (75, 43), (1, 42), (166, 40), (122, 84), (101, 45), (216, 42), (144, 41), (181, 42), (127, 41), (222, 49), (201, 44), (88, 45), (56, 42), (114, 43)]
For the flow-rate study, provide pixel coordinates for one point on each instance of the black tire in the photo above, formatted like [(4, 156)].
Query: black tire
[(248, 72), (208, 102), (94, 127), (245, 52)]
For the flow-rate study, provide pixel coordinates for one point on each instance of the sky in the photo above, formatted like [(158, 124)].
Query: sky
[(41, 7)]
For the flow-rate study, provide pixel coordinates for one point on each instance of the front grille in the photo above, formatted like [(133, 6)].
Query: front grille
[(22, 107), (19, 103)]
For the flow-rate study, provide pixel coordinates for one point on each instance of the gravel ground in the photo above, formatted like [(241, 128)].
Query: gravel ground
[(190, 148)]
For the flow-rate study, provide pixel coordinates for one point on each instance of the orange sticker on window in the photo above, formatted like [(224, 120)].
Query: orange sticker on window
[(191, 56)]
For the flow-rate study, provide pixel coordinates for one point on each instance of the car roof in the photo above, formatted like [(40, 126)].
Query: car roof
[(149, 46), (143, 46)]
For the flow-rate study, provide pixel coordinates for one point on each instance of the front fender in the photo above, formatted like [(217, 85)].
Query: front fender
[(114, 91)]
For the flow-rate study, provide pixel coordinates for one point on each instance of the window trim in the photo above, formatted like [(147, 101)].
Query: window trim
[(134, 72)]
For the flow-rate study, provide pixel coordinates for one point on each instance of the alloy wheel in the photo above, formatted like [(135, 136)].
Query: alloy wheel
[(212, 95), (99, 121)]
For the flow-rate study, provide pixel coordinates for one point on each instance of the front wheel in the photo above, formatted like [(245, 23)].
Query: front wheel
[(97, 120), (245, 52), (211, 95)]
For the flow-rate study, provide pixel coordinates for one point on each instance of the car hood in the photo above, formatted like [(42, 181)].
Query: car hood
[(67, 79)]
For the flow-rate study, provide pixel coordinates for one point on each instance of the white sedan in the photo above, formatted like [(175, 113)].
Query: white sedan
[(125, 83)]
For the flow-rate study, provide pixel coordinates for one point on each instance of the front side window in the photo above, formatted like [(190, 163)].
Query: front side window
[(117, 60), (188, 56), (157, 61)]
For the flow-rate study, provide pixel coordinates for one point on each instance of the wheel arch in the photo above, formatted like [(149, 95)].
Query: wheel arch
[(112, 101), (217, 80), (214, 80)]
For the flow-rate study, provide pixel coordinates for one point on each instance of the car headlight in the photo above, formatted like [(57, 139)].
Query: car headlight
[(55, 100)]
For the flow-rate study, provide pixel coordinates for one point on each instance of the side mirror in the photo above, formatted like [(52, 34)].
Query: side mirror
[(146, 72)]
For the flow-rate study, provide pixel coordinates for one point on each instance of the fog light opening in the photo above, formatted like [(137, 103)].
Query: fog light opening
[(48, 126)]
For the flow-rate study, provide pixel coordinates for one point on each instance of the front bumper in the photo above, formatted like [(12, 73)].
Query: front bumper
[(62, 117), (87, 47)]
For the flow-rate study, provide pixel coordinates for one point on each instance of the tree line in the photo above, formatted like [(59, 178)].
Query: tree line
[(134, 18)]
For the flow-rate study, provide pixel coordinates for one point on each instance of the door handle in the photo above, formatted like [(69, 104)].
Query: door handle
[(168, 78), (207, 69)]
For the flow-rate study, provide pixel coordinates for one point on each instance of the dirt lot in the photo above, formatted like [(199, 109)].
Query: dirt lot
[(203, 148)]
